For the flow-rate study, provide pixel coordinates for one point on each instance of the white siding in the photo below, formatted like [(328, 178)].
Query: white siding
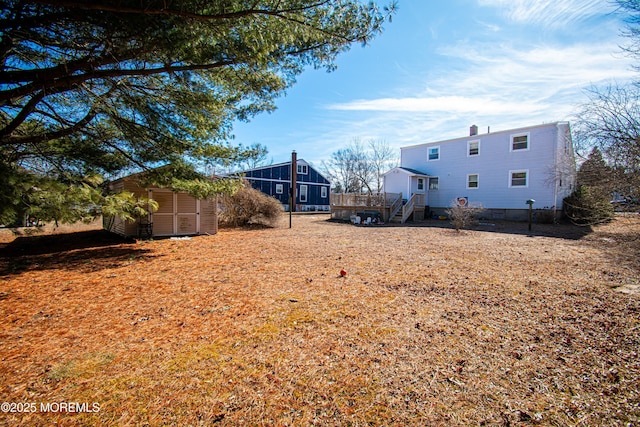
[(492, 165), (396, 181)]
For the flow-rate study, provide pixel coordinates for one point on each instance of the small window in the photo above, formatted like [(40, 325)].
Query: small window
[(520, 142), (472, 181), (434, 153), (473, 148), (420, 184), (323, 192), (279, 189), (433, 183), (303, 193), (303, 169), (518, 178)]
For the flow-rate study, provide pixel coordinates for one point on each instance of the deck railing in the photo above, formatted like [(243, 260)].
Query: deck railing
[(363, 200), (395, 207), (407, 208), (387, 204)]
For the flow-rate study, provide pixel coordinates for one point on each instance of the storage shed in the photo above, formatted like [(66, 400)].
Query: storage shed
[(178, 214)]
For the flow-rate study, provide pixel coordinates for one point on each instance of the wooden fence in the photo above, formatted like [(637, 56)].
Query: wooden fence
[(343, 205), (385, 205)]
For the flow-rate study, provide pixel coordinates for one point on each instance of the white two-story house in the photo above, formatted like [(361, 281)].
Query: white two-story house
[(499, 171)]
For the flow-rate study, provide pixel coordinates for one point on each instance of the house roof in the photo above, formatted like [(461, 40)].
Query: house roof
[(408, 171), (275, 165), (299, 162), (414, 171)]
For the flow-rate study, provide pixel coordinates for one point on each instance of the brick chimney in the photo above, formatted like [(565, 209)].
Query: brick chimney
[(473, 130)]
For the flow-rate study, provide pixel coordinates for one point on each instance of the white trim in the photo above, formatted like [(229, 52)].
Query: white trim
[(435, 147), (469, 148), (323, 192), (305, 169), (285, 181), (306, 193), (477, 175), (437, 178), (418, 189), (526, 183), (515, 135), (279, 188)]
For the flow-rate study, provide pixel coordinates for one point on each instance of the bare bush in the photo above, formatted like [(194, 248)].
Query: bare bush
[(545, 215), (463, 215), (249, 206)]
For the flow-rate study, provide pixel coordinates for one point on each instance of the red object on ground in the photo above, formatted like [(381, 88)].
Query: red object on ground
[(343, 273)]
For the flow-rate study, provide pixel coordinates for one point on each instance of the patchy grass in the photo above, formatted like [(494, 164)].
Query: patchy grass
[(494, 326)]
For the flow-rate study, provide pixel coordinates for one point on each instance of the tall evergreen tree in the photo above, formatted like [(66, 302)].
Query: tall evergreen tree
[(103, 87), (595, 172)]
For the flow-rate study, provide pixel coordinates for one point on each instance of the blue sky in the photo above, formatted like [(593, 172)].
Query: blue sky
[(442, 66)]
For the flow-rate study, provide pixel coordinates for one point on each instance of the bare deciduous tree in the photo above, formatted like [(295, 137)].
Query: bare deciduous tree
[(358, 168), (382, 158), (610, 121)]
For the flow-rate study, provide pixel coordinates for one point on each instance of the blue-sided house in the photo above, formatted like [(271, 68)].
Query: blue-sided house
[(312, 189)]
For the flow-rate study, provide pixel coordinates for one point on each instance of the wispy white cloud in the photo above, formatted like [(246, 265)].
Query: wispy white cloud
[(494, 28), (503, 80), (538, 72), (458, 104), (503, 76), (502, 87), (551, 13)]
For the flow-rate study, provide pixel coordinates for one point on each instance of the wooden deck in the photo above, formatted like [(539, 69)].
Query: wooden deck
[(386, 206)]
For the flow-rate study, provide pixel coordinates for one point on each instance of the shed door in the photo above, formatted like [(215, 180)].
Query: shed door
[(177, 214), (186, 214), (163, 218), (208, 216)]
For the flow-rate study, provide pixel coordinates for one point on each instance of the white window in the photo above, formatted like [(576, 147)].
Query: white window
[(473, 148), (303, 169), (279, 189), (323, 192), (433, 183), (303, 193), (473, 181), (434, 153), (519, 142), (420, 184), (518, 178)]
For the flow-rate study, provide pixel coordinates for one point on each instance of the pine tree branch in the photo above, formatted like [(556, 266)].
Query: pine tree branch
[(69, 82), (48, 136), (118, 8)]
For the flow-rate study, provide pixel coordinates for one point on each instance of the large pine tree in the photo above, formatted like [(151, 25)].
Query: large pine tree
[(92, 89)]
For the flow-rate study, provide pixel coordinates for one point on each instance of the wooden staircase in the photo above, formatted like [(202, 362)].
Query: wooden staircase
[(408, 207)]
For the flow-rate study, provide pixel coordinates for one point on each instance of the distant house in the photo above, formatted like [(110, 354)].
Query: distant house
[(178, 214), (312, 189), (500, 170)]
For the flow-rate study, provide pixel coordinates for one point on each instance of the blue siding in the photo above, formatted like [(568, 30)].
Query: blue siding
[(267, 178)]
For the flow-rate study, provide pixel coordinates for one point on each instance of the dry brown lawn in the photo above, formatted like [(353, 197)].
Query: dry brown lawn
[(490, 327)]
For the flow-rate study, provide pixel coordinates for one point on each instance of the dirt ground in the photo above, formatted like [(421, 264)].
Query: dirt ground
[(494, 326)]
